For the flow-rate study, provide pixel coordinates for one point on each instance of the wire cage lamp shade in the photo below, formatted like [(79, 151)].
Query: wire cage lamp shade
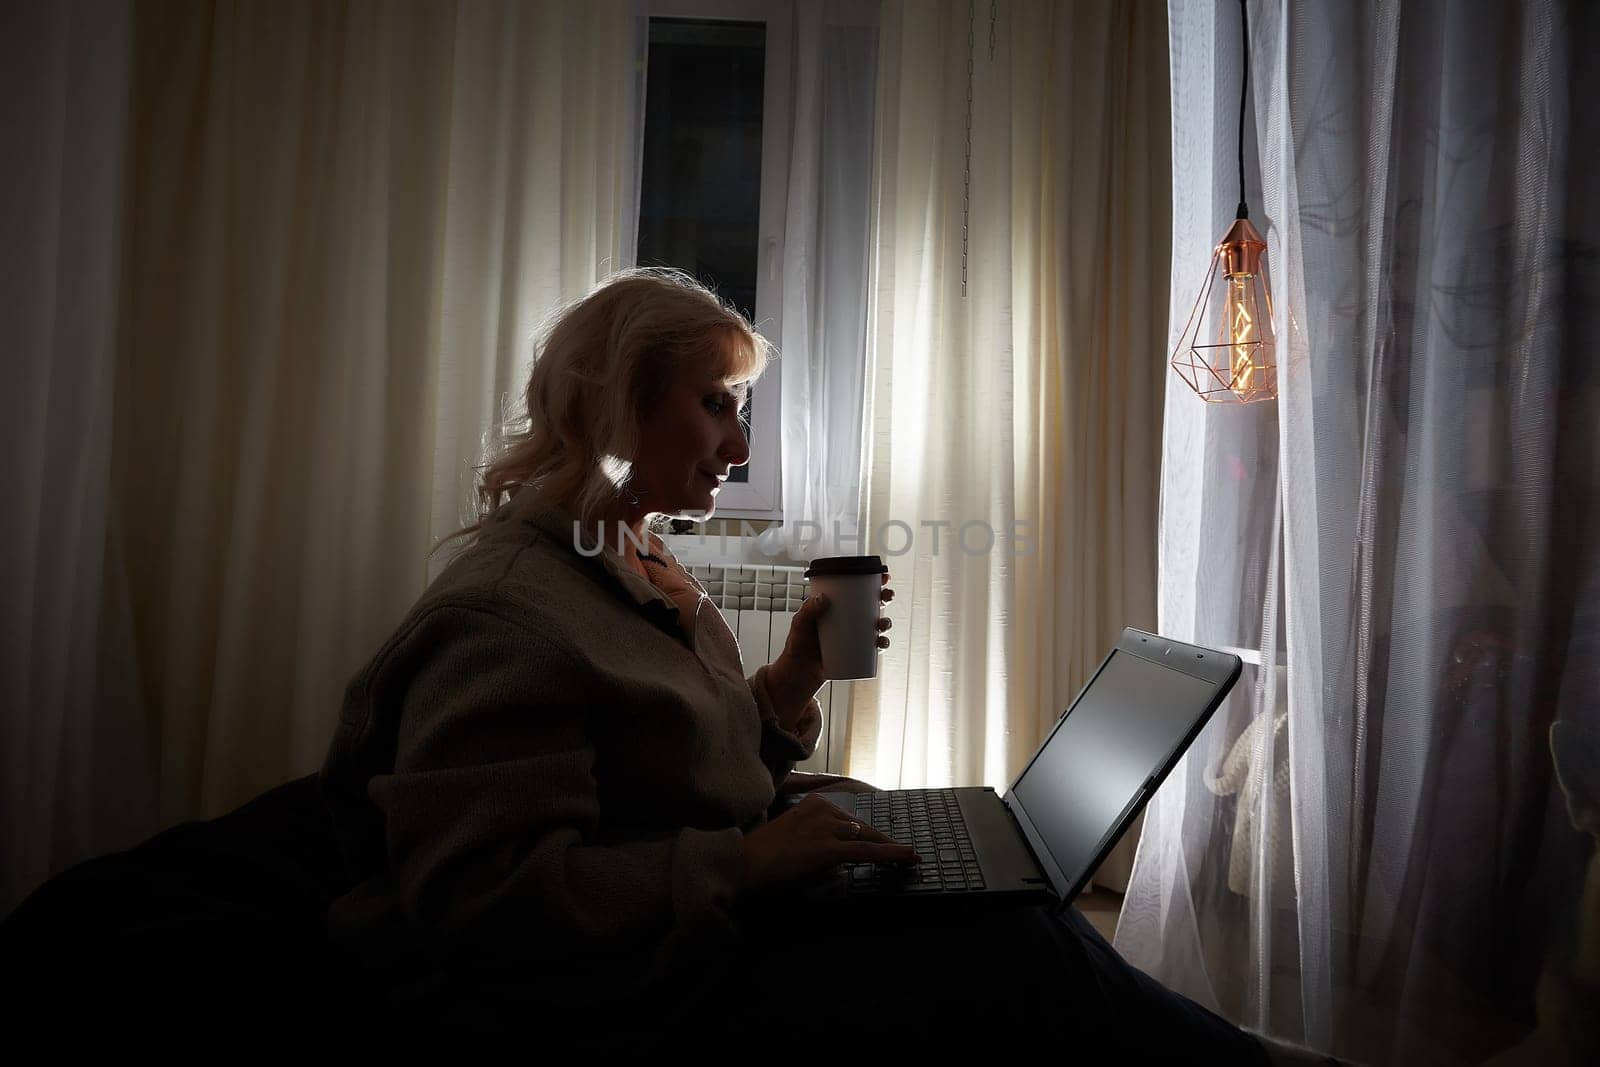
[(1227, 352)]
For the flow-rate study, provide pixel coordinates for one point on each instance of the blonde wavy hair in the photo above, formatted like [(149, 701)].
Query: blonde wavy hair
[(599, 364)]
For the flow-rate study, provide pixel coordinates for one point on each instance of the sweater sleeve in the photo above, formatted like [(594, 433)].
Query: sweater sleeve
[(781, 749), (492, 814)]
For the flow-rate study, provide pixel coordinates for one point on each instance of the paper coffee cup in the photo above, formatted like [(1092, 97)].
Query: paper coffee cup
[(848, 630)]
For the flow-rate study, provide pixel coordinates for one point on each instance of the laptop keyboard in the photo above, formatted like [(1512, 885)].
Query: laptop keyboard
[(929, 819)]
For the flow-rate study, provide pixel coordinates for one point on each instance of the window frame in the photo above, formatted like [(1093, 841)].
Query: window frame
[(761, 497)]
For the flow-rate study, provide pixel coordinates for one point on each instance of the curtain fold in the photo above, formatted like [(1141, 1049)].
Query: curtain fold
[(64, 107), (822, 335), (342, 221), (1368, 849), (1012, 427)]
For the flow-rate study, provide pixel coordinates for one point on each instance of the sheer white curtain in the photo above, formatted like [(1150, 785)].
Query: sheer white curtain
[(1367, 849), (269, 384), (823, 332), (1011, 298)]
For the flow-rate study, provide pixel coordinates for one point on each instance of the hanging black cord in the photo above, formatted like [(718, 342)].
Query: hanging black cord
[(1244, 85)]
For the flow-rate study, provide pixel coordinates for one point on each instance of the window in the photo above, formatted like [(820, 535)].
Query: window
[(713, 151)]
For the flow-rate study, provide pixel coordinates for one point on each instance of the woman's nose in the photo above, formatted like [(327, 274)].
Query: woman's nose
[(735, 449)]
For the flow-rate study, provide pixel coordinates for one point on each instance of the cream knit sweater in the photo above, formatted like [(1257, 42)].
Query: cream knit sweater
[(551, 765)]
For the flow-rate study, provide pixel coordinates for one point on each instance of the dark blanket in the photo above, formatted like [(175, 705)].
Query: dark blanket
[(221, 919)]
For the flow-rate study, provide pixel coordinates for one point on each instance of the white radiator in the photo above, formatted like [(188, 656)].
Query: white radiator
[(759, 602)]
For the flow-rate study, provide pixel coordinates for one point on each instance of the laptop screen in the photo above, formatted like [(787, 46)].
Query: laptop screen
[(1119, 732)]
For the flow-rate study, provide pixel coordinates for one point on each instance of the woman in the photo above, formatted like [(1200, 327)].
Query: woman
[(554, 781)]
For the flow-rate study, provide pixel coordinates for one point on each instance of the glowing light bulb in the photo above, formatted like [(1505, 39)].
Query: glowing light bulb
[(1239, 321)]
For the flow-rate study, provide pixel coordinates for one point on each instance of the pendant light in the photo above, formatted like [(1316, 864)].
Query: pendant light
[(1227, 352)]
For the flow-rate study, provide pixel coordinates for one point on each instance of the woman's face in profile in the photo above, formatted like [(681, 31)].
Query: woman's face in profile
[(688, 442)]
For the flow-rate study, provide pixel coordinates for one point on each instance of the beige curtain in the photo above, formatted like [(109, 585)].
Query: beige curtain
[(1033, 398), (63, 107), (341, 220)]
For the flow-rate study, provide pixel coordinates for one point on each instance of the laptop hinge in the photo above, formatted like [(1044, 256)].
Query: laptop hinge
[(1027, 843)]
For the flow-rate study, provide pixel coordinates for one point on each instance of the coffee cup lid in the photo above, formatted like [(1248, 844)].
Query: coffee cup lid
[(831, 566)]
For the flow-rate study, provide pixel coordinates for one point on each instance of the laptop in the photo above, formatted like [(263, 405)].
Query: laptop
[(1041, 841)]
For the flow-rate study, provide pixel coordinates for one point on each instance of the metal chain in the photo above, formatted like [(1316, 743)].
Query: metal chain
[(994, 14), (966, 180)]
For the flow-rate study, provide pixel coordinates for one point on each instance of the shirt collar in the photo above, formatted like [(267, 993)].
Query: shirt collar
[(555, 522)]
